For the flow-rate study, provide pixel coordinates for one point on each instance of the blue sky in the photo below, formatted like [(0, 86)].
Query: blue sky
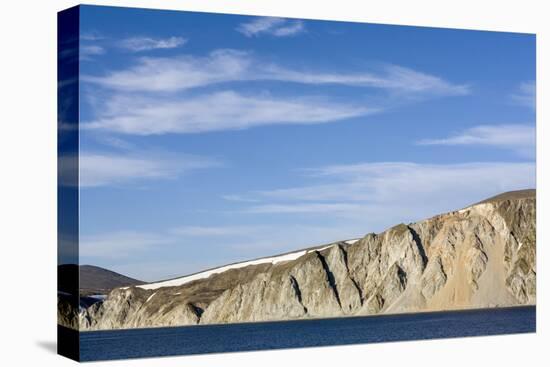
[(208, 138)]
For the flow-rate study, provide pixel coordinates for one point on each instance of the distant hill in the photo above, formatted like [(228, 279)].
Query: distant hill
[(96, 280), (93, 279)]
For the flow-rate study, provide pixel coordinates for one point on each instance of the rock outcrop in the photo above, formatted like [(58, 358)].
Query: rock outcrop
[(480, 256)]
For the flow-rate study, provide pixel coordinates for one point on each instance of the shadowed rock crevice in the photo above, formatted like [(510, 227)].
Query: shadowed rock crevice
[(297, 291), (330, 277), (402, 276), (420, 246), (198, 310), (355, 284)]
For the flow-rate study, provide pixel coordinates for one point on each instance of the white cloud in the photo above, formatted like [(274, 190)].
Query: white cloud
[(120, 244), (238, 198), (259, 25), (157, 74), (215, 112), (114, 142), (527, 94), (304, 208), (91, 35), (128, 111), (518, 137), (87, 51), (381, 194), (103, 169), (408, 181), (291, 29), (215, 231), (106, 169), (138, 44), (278, 27), (394, 78), (222, 66)]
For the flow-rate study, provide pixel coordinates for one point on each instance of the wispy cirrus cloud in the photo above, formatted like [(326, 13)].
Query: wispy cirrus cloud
[(380, 194), (87, 52), (215, 231), (114, 142), (405, 181), (303, 208), (238, 198), (223, 66), (138, 44), (393, 78), (219, 111), (120, 244), (278, 27), (132, 105), (526, 94), (518, 137), (108, 169), (159, 74), (100, 169), (91, 44), (91, 35)]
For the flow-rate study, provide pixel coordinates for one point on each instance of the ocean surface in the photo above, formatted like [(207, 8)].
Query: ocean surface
[(118, 344)]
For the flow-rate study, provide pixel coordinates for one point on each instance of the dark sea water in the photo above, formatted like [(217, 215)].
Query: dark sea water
[(101, 345)]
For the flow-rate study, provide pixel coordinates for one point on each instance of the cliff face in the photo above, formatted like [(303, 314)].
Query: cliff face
[(481, 256)]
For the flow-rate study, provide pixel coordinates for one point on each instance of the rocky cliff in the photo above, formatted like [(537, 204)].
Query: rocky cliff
[(480, 256)]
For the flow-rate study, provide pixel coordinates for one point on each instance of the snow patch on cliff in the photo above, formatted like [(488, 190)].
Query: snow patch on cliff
[(205, 274)]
